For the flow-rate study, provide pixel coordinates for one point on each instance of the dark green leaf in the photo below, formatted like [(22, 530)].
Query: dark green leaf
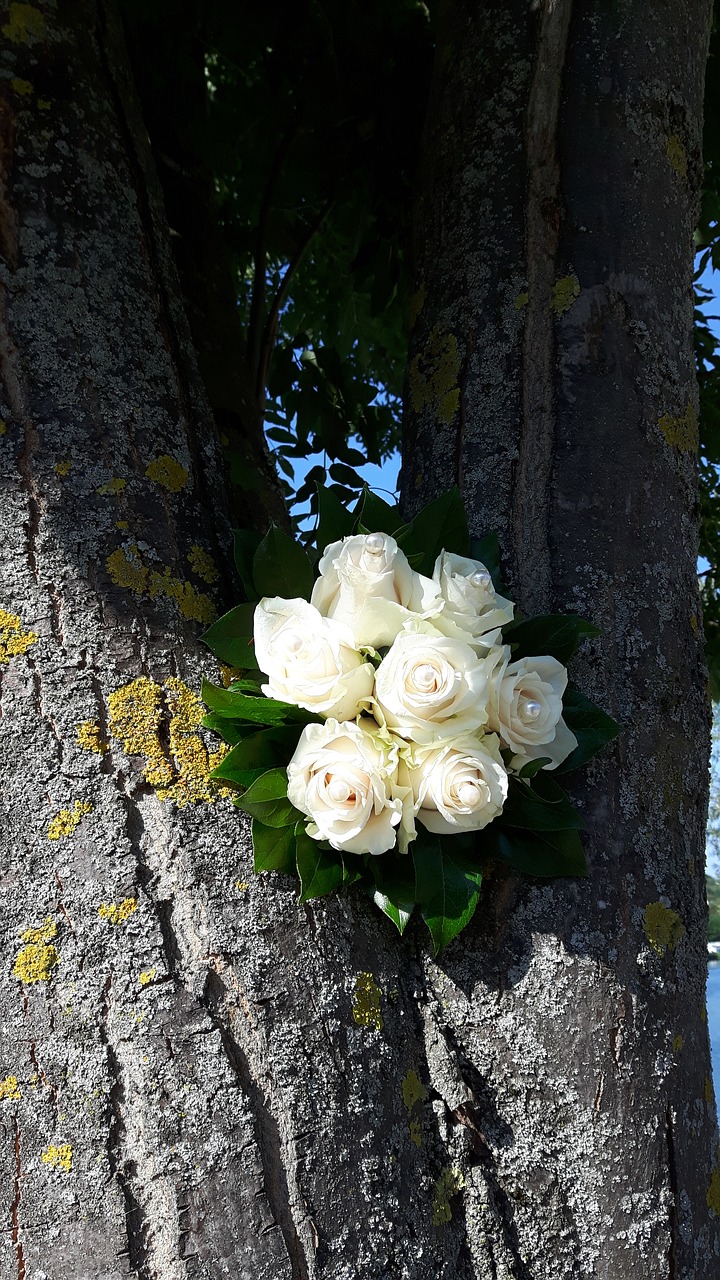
[(375, 515), (537, 853), (540, 806), (320, 870), (239, 706), (441, 526), (592, 727), (230, 638), (447, 888), (556, 635), (335, 521), (281, 567), (256, 753), (267, 800), (534, 766), (393, 887), (230, 730), (246, 543), (273, 847)]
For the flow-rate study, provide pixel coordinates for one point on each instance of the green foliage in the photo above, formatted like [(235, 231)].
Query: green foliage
[(713, 896)]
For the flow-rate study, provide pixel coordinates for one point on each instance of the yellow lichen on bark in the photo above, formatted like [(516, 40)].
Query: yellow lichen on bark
[(433, 376), (663, 927), (146, 977), (35, 962), (44, 932), (681, 433), (449, 1184), (127, 569), (112, 487), (58, 1157), (137, 712), (118, 913), (566, 290), (9, 1089), (25, 24), (21, 87), (203, 564), (13, 640), (89, 737), (168, 472), (366, 1007), (65, 822), (414, 1094), (677, 155)]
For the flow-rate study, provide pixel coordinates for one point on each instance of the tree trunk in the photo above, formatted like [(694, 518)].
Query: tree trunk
[(198, 1077), (552, 376)]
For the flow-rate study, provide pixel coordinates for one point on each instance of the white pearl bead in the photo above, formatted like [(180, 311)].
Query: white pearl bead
[(481, 578), (467, 794), (425, 676), (338, 790), (532, 708), (295, 643), (375, 543)]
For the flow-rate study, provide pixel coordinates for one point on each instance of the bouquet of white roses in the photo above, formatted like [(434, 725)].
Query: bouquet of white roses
[(404, 710)]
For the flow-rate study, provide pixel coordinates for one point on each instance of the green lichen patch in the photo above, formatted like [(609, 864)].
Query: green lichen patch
[(522, 300), (25, 24), (681, 433), (168, 472), (677, 155), (434, 376), (449, 1184), (414, 1094), (566, 290), (713, 1195), (663, 927), (366, 1010)]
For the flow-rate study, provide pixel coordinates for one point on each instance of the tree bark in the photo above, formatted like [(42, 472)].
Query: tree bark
[(552, 376), (198, 1077)]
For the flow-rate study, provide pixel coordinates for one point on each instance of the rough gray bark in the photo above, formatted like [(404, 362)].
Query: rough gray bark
[(207, 1079), (552, 376)]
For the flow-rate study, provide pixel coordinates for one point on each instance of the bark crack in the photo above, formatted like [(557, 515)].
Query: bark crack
[(534, 465), (15, 1206), (673, 1211), (135, 1224), (269, 1144)]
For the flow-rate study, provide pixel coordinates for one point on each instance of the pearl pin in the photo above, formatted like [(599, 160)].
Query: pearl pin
[(481, 578), (532, 708), (375, 543)]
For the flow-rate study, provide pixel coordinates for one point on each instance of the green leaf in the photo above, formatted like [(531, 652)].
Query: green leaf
[(447, 887), (537, 853), (592, 727), (257, 753), (335, 521), (267, 800), (487, 551), (542, 806), (273, 847), (320, 870), (393, 888), (262, 710), (230, 730), (556, 635), (441, 526), (375, 515), (281, 567), (534, 766), (230, 638), (246, 543)]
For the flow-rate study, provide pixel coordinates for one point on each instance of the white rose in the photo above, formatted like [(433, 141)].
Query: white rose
[(459, 785), (309, 660), (344, 778), (525, 707), (430, 687), (367, 583), (472, 610)]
